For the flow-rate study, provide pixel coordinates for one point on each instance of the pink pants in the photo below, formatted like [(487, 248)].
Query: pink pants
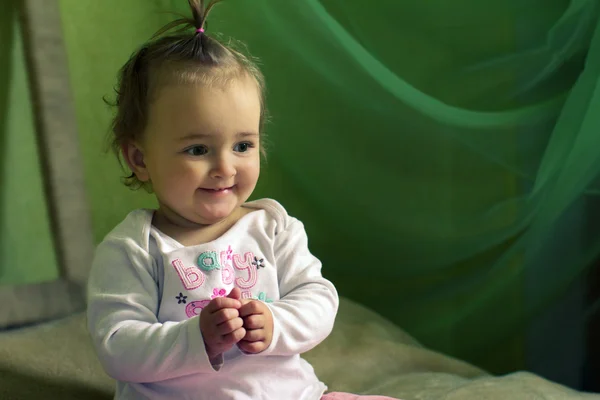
[(350, 396)]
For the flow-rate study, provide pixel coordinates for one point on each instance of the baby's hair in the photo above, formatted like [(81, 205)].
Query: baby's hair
[(178, 58)]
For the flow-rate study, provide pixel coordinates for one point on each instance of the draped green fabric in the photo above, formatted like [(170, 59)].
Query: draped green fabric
[(438, 147), (434, 149)]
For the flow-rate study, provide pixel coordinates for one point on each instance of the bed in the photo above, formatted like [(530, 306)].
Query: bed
[(45, 351), (365, 354)]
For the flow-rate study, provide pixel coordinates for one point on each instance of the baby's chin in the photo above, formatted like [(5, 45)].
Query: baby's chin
[(212, 217)]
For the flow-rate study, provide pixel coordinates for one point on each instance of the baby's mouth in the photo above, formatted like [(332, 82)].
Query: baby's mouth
[(218, 189)]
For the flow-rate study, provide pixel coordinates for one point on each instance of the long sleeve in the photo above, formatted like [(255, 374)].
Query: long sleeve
[(123, 300), (305, 314)]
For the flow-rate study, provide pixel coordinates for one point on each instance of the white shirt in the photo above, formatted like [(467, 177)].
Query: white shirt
[(146, 292)]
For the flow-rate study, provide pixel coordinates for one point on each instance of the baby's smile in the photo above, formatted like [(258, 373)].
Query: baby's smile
[(222, 191)]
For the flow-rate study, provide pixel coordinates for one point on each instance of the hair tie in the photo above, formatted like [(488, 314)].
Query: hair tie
[(200, 30)]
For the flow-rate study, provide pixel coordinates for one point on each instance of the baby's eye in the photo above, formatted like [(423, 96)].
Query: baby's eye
[(197, 151), (243, 147)]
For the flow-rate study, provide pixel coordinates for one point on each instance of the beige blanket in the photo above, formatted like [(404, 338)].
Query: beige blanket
[(365, 354)]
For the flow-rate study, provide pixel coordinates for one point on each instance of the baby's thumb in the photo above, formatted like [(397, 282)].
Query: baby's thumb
[(235, 293)]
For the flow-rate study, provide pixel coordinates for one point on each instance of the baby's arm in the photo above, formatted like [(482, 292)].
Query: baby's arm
[(305, 313), (123, 301)]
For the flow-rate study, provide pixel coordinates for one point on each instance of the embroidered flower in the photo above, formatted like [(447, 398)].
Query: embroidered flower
[(229, 253), (259, 263), (262, 296), (181, 299), (218, 293)]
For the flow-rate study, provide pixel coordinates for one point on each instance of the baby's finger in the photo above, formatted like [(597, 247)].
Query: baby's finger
[(222, 302), (254, 307), (255, 321), (230, 326), (234, 337), (254, 335), (235, 293), (224, 315), (251, 347)]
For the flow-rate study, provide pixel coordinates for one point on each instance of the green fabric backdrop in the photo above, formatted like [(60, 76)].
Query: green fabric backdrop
[(431, 148)]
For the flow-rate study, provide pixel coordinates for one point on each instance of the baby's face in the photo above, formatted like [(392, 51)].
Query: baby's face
[(201, 148)]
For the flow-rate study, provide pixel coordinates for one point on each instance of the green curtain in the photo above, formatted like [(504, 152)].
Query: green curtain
[(432, 148), (437, 148)]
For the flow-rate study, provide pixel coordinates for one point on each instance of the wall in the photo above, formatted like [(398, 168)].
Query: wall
[(26, 250)]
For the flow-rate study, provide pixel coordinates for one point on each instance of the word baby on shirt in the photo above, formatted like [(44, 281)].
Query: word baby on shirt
[(196, 275), (243, 257)]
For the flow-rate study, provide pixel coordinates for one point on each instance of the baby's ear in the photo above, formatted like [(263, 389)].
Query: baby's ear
[(134, 157)]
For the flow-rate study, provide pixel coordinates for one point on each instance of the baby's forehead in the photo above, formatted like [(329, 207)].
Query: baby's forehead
[(235, 101), (183, 111), (173, 74), (215, 97), (184, 137)]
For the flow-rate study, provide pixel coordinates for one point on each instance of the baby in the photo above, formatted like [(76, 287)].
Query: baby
[(208, 296)]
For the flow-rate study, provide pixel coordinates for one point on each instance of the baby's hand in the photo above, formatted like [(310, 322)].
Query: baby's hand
[(221, 325), (258, 323)]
